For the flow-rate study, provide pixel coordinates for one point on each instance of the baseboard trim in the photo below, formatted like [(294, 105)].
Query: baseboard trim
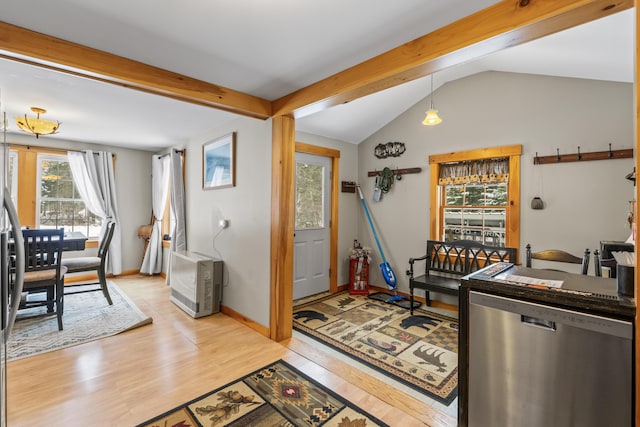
[(93, 276), (245, 321)]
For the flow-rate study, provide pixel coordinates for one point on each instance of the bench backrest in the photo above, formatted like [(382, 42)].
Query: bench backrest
[(462, 257)]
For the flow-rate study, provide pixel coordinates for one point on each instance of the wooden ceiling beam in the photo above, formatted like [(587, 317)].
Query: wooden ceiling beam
[(42, 50), (505, 24)]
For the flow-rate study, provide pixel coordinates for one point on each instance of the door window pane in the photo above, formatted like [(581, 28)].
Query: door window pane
[(309, 196)]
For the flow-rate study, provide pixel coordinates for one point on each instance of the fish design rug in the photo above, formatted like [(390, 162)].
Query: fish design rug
[(420, 351), (87, 317), (275, 395)]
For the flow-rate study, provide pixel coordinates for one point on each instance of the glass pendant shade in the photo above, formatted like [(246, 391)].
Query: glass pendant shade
[(37, 126), (432, 117)]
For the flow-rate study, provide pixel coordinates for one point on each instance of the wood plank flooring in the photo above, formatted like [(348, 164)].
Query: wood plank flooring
[(129, 378)]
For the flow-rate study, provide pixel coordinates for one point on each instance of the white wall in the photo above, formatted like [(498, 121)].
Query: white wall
[(349, 203), (245, 245), (133, 186), (585, 202)]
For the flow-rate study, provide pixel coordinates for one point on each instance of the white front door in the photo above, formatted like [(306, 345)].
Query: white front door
[(312, 215)]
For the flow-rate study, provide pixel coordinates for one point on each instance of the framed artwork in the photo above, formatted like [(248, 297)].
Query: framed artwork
[(218, 162)]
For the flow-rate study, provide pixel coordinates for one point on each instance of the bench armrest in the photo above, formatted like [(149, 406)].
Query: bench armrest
[(411, 261)]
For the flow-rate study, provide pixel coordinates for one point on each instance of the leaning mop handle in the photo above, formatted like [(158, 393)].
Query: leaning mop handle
[(366, 210)]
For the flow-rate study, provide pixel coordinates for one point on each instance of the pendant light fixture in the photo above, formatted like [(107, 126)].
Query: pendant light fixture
[(432, 117), (37, 126)]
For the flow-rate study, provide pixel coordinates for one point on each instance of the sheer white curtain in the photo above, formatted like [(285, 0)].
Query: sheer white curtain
[(93, 176), (178, 207), (152, 261)]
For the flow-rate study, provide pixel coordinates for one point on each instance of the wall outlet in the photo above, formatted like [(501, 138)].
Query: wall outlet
[(223, 223)]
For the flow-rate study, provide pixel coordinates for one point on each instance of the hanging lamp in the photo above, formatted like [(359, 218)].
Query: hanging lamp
[(432, 117), (37, 126)]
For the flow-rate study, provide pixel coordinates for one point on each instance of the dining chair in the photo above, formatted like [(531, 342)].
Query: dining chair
[(559, 256), (92, 263), (44, 272)]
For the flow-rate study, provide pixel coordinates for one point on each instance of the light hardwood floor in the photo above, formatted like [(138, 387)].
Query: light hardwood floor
[(129, 378)]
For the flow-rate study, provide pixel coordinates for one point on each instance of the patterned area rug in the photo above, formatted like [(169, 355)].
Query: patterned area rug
[(276, 395), (420, 351), (87, 317)]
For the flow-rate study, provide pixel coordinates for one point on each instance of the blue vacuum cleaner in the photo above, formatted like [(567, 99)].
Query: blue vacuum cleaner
[(385, 268)]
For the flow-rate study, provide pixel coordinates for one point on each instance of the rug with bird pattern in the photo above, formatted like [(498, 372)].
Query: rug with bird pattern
[(420, 351)]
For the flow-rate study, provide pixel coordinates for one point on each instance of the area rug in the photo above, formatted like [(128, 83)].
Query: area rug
[(87, 317), (276, 395), (420, 351)]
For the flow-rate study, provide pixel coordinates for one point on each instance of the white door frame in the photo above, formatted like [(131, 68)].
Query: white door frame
[(333, 232)]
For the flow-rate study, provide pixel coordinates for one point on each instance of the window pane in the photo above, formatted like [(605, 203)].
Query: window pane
[(60, 202), (478, 223), (496, 194), (474, 195), (454, 195), (494, 226), (309, 196)]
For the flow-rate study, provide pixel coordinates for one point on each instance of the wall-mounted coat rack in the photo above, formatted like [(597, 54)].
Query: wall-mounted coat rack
[(397, 172), (579, 157)]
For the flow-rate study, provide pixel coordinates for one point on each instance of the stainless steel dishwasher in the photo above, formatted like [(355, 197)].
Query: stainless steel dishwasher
[(535, 365)]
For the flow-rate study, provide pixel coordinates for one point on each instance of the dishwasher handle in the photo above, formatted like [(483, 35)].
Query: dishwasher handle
[(538, 323)]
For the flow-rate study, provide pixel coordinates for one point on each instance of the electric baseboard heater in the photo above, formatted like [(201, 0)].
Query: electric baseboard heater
[(196, 283)]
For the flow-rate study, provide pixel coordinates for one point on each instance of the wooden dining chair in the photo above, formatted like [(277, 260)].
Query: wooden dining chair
[(96, 263), (44, 272), (559, 256)]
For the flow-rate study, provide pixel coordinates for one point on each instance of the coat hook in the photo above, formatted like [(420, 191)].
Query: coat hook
[(610, 152), (579, 155), (398, 175), (557, 154)]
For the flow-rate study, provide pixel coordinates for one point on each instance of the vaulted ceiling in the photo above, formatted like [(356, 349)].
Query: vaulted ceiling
[(266, 49)]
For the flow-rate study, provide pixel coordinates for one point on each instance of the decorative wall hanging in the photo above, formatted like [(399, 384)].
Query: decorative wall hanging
[(348, 186), (390, 149), (218, 162)]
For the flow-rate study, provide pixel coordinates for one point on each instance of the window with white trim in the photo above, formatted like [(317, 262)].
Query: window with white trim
[(59, 203)]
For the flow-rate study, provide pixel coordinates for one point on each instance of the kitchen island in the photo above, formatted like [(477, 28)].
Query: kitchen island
[(543, 347)]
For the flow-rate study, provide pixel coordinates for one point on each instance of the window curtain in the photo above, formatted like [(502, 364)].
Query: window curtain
[(93, 176), (178, 207), (474, 171), (178, 204), (152, 261)]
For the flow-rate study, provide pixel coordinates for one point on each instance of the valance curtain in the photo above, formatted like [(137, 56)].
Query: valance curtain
[(93, 176), (152, 261), (486, 171)]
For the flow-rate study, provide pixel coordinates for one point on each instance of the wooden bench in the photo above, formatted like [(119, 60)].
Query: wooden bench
[(447, 262)]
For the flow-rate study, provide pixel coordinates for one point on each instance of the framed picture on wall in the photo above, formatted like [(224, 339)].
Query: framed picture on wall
[(218, 162)]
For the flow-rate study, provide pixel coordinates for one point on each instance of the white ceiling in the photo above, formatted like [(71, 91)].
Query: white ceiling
[(267, 49)]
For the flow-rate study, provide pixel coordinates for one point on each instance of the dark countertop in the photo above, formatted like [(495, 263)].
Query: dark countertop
[(582, 292)]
